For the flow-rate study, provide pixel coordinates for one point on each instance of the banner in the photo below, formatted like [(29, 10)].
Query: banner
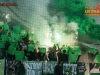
[(2, 63), (48, 67), (69, 69), (33, 67)]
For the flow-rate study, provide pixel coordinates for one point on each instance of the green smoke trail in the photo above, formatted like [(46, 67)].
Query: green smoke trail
[(74, 11)]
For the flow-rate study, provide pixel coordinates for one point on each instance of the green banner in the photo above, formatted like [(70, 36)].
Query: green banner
[(48, 67), (2, 63), (69, 69), (33, 67)]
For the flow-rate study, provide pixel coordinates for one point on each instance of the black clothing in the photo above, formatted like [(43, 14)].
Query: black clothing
[(59, 56), (25, 39), (58, 70), (51, 57), (64, 57)]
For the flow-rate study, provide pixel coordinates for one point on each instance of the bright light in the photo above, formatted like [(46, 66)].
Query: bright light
[(57, 37), (76, 33), (7, 16), (48, 43)]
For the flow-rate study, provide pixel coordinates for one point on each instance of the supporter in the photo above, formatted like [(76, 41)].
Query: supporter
[(24, 48), (10, 71), (54, 52), (64, 56), (51, 58), (20, 44), (3, 53), (7, 44), (59, 54), (32, 54), (20, 69), (58, 69), (25, 39), (46, 57), (10, 57), (11, 68), (37, 59), (39, 54)]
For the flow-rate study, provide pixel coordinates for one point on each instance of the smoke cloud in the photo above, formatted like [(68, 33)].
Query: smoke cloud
[(51, 27)]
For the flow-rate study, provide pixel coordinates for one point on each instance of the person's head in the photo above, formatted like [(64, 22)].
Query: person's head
[(59, 63), (64, 51)]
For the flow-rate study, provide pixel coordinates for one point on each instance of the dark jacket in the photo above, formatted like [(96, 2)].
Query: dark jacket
[(64, 57), (58, 70)]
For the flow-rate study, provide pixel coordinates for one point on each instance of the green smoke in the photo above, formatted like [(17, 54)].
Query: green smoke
[(74, 11)]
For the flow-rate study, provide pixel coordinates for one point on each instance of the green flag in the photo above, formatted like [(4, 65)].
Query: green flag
[(5, 27), (31, 36), (19, 55), (14, 44), (16, 29), (93, 51), (11, 39), (77, 51), (23, 32), (15, 36), (4, 37), (43, 50), (2, 45), (73, 58), (69, 50), (31, 47), (11, 50), (97, 58), (65, 48)]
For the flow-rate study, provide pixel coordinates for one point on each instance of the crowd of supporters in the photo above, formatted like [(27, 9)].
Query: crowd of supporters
[(54, 53)]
